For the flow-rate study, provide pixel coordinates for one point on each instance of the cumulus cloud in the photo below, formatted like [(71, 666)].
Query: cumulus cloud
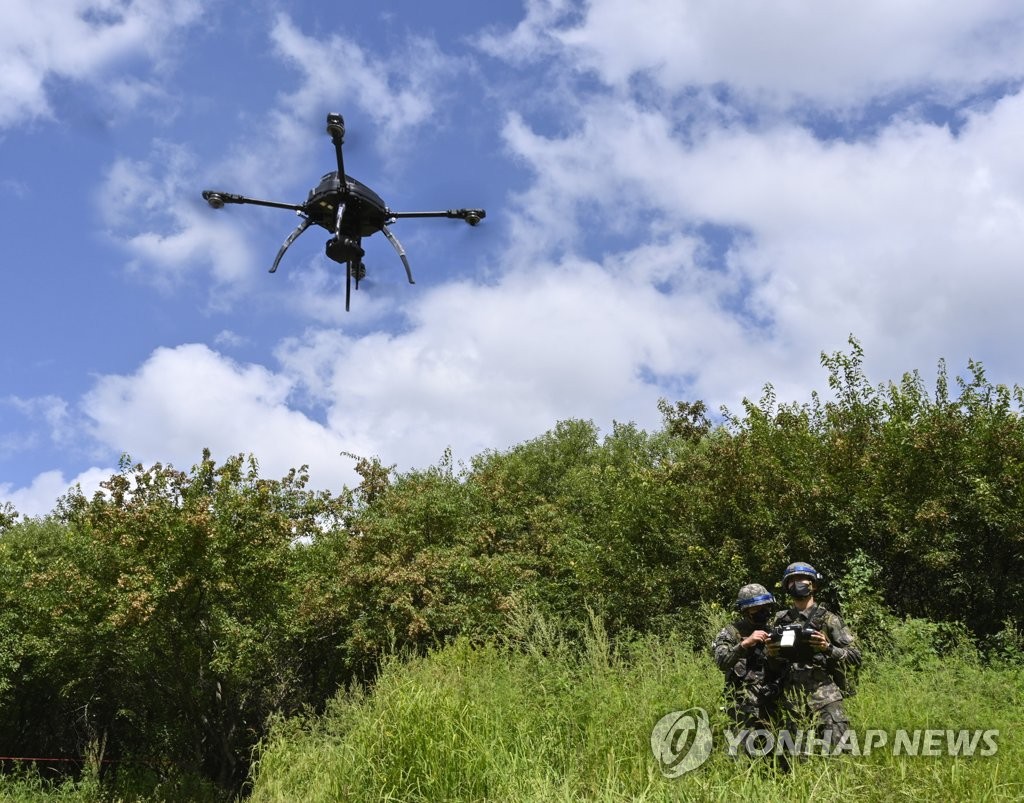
[(152, 208), (829, 53), (398, 91), (483, 367), (477, 367), (77, 40), (39, 497), (52, 410), (898, 237), (186, 398)]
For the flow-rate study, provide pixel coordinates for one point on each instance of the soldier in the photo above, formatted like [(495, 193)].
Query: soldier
[(814, 686), (752, 689)]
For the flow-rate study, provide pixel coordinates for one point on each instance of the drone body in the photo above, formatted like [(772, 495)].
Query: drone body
[(348, 209)]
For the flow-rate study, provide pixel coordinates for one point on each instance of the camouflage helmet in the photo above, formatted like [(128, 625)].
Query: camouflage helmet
[(800, 570), (752, 596)]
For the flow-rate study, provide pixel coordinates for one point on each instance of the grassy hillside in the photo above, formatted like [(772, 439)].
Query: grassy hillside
[(538, 721)]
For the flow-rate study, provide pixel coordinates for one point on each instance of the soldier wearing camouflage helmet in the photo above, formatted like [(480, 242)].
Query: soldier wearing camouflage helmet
[(814, 686), (752, 687)]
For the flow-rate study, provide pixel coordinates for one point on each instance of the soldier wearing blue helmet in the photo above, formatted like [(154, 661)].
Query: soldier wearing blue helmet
[(815, 680), (752, 688)]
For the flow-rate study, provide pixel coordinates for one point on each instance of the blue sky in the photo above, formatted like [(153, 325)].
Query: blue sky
[(685, 200)]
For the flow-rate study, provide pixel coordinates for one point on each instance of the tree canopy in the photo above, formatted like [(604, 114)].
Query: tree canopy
[(169, 617)]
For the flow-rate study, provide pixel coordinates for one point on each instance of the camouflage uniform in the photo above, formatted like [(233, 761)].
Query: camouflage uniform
[(813, 689), (752, 687)]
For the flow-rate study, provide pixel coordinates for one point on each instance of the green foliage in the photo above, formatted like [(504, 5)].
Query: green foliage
[(155, 619), (540, 719), (8, 516), (922, 644), (860, 593), (1008, 644), (165, 620)]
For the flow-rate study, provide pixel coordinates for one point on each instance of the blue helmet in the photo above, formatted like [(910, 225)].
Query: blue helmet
[(753, 595), (801, 570)]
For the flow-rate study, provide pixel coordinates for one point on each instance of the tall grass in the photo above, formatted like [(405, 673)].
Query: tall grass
[(536, 719), (31, 784)]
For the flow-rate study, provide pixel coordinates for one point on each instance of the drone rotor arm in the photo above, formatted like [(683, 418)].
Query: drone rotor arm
[(471, 216), (218, 199), (336, 130), (401, 252), (305, 224)]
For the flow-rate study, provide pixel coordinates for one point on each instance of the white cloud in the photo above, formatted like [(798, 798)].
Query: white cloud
[(40, 496), (229, 339), (139, 198), (834, 53), (533, 37), (398, 92), (52, 410), (483, 367), (184, 399), (77, 40), (900, 238)]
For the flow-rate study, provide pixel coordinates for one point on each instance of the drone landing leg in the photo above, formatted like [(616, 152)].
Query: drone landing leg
[(401, 251), (305, 224)]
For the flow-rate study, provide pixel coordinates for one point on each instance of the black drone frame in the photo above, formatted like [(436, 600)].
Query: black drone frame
[(349, 210)]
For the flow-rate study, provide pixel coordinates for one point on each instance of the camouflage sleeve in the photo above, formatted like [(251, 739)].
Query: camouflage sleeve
[(726, 648), (843, 649)]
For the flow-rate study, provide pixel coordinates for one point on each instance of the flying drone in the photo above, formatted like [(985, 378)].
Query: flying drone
[(349, 210)]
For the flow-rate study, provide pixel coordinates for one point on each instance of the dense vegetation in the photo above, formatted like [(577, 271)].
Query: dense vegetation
[(156, 629), (540, 720)]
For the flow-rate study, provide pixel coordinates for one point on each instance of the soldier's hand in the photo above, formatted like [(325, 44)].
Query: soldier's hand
[(755, 638), (820, 642)]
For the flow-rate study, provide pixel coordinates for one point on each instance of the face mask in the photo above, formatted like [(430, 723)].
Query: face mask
[(801, 589), (760, 617)]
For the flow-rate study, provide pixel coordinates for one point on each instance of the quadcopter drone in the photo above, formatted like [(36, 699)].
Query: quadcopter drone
[(349, 210)]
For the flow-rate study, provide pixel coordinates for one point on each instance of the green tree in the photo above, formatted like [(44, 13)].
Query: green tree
[(157, 617)]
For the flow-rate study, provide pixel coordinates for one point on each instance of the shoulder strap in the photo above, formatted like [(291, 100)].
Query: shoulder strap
[(819, 616)]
